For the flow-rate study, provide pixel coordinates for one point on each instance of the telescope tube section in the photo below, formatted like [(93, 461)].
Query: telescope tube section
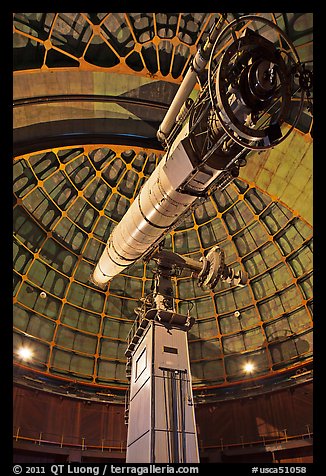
[(197, 66), (153, 211)]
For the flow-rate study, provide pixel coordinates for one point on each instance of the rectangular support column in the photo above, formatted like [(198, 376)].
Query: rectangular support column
[(161, 426)]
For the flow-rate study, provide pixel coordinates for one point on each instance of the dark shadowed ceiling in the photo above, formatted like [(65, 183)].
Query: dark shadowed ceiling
[(90, 90)]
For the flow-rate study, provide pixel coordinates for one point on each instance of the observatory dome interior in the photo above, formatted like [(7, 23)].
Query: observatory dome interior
[(90, 91)]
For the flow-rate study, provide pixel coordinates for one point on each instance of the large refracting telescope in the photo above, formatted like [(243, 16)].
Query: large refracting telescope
[(246, 85)]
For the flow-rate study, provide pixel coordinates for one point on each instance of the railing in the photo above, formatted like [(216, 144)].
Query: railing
[(82, 443), (67, 441), (273, 438)]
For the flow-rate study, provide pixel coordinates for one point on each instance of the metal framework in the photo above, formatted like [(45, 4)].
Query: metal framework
[(155, 45), (67, 199), (66, 202)]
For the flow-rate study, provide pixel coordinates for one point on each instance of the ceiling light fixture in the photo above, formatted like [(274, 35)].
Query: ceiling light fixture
[(249, 368), (25, 353)]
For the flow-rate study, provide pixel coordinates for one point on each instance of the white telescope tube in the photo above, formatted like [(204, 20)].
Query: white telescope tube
[(197, 66), (154, 210), (157, 206), (182, 94)]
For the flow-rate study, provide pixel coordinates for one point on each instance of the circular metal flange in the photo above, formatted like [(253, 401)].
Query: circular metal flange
[(249, 137), (251, 46)]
